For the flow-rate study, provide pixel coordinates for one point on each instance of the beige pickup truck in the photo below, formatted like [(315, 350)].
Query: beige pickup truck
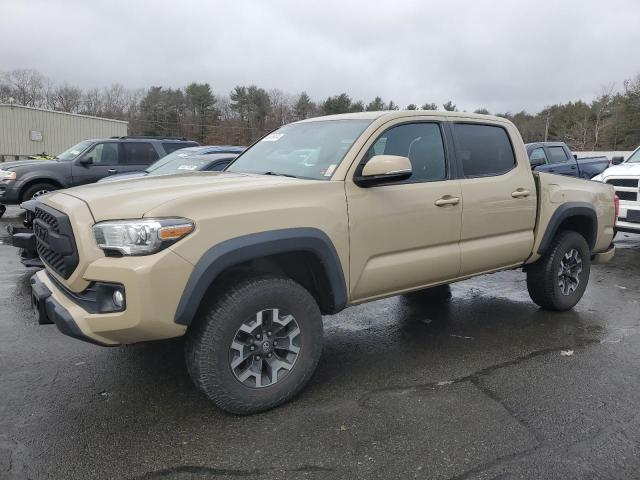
[(314, 217)]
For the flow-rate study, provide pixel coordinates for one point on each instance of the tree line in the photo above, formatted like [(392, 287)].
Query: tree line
[(609, 122)]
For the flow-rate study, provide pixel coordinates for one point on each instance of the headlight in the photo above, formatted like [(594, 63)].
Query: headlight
[(7, 175), (141, 237)]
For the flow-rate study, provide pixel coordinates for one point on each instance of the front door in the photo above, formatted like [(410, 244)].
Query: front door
[(102, 160), (405, 235)]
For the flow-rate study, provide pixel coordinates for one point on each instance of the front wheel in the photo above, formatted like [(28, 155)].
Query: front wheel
[(559, 278), (256, 346), (37, 190)]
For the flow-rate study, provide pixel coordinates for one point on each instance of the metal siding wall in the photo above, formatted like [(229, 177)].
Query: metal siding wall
[(59, 131)]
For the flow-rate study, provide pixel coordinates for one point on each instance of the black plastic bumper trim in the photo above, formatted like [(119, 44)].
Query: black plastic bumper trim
[(51, 311)]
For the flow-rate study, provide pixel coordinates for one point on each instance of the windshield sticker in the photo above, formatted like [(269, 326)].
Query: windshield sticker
[(273, 137), (187, 167), (330, 170), (183, 155), (75, 152)]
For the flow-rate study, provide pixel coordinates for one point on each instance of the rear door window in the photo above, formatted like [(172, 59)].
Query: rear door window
[(139, 153), (484, 150), (557, 155)]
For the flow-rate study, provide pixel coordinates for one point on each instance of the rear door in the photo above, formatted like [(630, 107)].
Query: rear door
[(102, 160), (498, 197), (138, 156)]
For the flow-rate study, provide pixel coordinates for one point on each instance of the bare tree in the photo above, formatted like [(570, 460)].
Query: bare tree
[(602, 108), (281, 107), (68, 98), (114, 101), (26, 86), (92, 102)]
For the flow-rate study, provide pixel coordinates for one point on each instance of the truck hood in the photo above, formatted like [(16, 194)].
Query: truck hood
[(132, 198), (17, 165), (623, 170)]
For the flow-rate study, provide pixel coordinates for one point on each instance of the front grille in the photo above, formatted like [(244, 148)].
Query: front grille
[(627, 196), (623, 182), (55, 242)]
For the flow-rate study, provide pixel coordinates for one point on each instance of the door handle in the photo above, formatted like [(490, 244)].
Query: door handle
[(521, 193), (112, 170), (446, 200)]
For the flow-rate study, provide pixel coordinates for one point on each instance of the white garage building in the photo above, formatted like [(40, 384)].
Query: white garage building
[(26, 131)]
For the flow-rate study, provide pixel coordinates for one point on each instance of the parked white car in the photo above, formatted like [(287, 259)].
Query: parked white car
[(625, 178)]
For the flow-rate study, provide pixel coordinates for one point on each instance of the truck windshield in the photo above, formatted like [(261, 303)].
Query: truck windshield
[(310, 150), (635, 157), (74, 151)]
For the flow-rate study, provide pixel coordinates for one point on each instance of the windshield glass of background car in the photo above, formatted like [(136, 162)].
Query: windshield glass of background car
[(635, 157), (182, 153), (306, 150), (181, 165), (74, 151)]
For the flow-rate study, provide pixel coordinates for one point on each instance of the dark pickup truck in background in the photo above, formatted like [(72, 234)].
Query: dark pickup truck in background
[(555, 157)]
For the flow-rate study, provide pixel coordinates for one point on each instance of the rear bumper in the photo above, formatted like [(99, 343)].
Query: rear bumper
[(604, 257)]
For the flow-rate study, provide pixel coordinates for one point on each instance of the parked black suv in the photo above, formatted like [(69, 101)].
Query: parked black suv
[(86, 162)]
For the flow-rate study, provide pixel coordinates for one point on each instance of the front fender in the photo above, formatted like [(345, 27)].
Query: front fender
[(248, 247)]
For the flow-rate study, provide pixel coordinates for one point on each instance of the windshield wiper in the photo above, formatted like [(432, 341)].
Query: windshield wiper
[(278, 174)]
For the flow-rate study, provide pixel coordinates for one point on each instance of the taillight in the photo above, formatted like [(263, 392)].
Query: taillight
[(616, 203)]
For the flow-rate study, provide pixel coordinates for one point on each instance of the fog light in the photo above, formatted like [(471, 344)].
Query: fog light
[(118, 299)]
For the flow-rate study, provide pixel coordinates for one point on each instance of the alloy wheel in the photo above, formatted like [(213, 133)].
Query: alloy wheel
[(569, 272), (265, 348)]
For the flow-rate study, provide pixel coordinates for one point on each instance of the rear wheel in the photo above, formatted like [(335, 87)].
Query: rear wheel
[(256, 346), (558, 280), (38, 189)]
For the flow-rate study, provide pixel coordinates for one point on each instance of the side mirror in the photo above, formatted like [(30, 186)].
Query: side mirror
[(536, 162), (85, 161), (617, 160), (575, 156), (384, 169)]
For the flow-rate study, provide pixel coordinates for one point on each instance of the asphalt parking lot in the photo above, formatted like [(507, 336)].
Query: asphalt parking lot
[(482, 385)]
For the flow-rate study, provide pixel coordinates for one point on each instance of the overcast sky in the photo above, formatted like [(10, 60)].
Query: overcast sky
[(503, 55)]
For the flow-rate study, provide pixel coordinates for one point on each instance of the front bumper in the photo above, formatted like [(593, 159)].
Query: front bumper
[(49, 310), (25, 241), (628, 211), (10, 192), (152, 284)]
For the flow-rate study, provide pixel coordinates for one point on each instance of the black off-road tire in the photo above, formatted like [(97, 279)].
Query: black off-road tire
[(34, 189), (208, 343), (543, 275)]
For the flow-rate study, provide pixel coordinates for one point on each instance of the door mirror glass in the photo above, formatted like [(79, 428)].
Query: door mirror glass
[(384, 169), (617, 160)]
